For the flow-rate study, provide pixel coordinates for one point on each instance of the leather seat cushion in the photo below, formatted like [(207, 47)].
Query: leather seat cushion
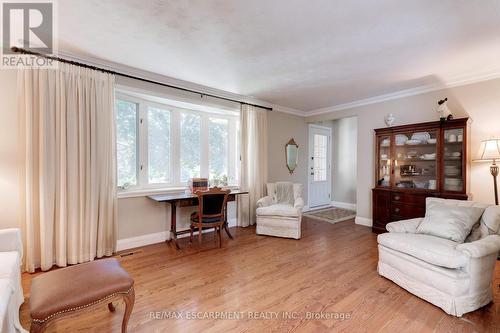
[(431, 249), (75, 286), (194, 218), (278, 210)]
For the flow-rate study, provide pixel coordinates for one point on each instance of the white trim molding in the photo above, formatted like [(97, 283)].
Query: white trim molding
[(363, 221), (154, 238), (143, 240), (344, 205), (456, 82)]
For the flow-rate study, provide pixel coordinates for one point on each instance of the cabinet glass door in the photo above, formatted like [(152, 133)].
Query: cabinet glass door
[(384, 161), (453, 160), (416, 164)]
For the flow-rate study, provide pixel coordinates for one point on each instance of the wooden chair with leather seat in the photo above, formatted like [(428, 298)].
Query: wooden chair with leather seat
[(211, 212)]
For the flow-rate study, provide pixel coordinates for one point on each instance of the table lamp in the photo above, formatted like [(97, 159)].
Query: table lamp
[(489, 151)]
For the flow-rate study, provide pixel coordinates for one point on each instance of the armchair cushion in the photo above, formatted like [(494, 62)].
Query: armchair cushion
[(481, 248), (278, 210), (284, 193), (406, 226), (431, 249), (265, 201), (450, 222)]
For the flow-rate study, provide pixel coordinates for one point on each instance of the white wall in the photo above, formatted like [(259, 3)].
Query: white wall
[(480, 101)]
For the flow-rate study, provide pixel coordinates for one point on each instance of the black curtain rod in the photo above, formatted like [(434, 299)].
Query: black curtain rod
[(37, 54)]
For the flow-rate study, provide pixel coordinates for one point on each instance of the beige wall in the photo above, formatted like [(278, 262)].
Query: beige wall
[(344, 159), (281, 128), (481, 101)]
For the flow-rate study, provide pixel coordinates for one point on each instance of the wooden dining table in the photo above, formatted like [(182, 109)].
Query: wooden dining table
[(175, 200)]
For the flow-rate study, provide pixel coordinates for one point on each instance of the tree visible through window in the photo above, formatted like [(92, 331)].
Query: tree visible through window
[(218, 148), (158, 145), (126, 142), (190, 146)]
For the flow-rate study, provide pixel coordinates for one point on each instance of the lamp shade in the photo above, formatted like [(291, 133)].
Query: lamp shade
[(489, 150)]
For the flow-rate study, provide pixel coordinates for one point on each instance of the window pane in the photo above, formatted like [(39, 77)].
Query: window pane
[(218, 149), (320, 155), (158, 145), (126, 142), (190, 146)]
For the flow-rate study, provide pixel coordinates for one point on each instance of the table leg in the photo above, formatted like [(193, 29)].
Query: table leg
[(173, 224)]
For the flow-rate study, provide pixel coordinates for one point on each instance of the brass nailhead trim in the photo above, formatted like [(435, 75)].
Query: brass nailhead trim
[(41, 321)]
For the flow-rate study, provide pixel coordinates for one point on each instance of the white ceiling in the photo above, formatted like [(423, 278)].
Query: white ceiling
[(296, 53)]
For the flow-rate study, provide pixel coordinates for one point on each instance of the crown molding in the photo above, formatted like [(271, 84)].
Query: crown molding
[(459, 81), (285, 109), (117, 67), (113, 66)]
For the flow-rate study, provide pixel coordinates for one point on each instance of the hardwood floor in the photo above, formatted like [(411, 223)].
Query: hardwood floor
[(331, 270)]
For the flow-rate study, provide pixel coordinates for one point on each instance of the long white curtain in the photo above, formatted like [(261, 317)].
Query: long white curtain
[(253, 171), (68, 134)]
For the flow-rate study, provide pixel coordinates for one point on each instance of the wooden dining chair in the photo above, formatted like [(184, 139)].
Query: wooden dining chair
[(211, 212)]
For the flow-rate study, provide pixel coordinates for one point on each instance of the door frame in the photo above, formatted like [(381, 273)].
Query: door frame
[(309, 162)]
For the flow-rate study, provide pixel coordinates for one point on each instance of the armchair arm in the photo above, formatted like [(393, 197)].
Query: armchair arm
[(481, 248), (406, 226), (299, 203), (10, 240), (265, 201)]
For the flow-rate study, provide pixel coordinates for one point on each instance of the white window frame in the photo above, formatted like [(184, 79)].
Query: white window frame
[(143, 187)]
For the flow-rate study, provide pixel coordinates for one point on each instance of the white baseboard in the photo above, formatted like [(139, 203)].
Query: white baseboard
[(157, 237), (363, 221), (344, 205), (132, 242)]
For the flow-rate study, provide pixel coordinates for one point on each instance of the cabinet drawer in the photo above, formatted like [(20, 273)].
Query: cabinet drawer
[(410, 199), (402, 211)]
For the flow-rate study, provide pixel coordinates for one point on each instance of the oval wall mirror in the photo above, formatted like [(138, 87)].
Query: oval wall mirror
[(291, 155)]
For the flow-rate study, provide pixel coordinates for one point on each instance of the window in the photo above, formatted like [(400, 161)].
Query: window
[(190, 146), (320, 155), (218, 143), (162, 146), (126, 142), (158, 146)]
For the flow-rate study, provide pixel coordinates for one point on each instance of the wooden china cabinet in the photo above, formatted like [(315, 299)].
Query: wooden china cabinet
[(417, 161)]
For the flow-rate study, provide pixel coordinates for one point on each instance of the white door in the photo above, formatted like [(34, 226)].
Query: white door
[(319, 165)]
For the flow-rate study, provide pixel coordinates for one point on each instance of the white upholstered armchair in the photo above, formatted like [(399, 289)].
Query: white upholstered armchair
[(11, 291), (280, 212), (455, 275)]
